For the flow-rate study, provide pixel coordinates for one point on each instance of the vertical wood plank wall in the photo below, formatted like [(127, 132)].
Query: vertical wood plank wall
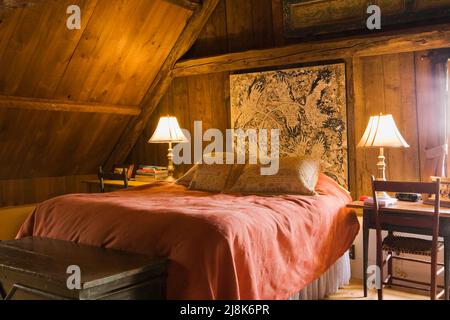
[(204, 98), (386, 84), (34, 190), (389, 84)]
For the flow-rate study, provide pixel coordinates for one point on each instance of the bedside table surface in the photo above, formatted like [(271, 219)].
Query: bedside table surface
[(131, 183), (406, 207)]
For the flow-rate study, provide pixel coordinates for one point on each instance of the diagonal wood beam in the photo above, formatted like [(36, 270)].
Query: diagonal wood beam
[(414, 39), (10, 102), (161, 83), (187, 4)]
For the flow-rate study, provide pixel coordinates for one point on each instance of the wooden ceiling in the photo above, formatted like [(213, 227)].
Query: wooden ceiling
[(109, 64), (112, 59)]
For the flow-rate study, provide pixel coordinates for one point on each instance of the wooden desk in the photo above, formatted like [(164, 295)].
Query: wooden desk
[(415, 211), (111, 185)]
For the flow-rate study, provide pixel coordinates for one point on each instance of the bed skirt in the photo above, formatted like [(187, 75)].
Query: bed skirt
[(328, 283)]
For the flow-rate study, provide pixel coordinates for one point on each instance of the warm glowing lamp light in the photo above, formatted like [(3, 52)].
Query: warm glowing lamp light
[(382, 133), (168, 131)]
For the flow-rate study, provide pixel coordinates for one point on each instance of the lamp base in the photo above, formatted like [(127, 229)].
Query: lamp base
[(382, 195), (170, 168), (170, 178), (381, 164)]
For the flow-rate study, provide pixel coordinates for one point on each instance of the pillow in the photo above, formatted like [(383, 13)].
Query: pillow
[(186, 179), (235, 173), (211, 178), (217, 155), (295, 176)]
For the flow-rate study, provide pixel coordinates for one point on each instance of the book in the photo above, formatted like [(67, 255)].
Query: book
[(151, 172), (118, 169), (144, 166), (382, 202)]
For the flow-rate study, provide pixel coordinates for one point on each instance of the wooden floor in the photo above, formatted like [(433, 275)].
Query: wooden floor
[(354, 291)]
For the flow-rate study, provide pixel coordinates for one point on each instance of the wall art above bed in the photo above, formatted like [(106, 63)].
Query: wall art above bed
[(307, 105)]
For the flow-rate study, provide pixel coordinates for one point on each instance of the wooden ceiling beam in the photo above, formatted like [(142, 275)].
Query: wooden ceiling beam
[(414, 39), (161, 83), (10, 102), (187, 4)]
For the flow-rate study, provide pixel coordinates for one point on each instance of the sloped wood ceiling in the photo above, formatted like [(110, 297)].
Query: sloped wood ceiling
[(112, 60)]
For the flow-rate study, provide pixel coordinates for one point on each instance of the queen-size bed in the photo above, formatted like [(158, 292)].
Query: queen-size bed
[(220, 245)]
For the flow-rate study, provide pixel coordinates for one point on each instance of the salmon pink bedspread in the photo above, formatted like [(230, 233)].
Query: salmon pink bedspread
[(221, 246)]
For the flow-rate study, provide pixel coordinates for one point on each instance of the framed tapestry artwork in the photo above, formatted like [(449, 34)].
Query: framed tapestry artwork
[(313, 17), (307, 105)]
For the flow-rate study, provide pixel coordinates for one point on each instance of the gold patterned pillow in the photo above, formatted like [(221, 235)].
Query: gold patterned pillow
[(211, 178), (295, 176), (186, 179), (235, 173)]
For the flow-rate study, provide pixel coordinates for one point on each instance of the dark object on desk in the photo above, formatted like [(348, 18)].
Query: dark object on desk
[(123, 175), (119, 168), (411, 197), (396, 245), (37, 269)]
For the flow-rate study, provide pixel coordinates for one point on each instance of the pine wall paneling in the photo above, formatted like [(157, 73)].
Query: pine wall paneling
[(161, 82), (49, 144), (16, 192), (236, 26), (387, 84), (204, 97), (111, 61)]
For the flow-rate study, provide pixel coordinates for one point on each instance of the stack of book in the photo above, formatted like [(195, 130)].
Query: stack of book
[(150, 173)]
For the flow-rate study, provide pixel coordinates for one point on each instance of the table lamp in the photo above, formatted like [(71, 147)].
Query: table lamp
[(382, 132), (168, 131)]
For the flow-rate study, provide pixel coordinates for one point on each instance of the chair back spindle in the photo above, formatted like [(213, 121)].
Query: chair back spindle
[(102, 176)]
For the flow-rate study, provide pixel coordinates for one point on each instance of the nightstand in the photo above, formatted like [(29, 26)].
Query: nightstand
[(93, 186)]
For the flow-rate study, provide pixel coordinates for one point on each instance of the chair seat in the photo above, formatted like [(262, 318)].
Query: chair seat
[(408, 245)]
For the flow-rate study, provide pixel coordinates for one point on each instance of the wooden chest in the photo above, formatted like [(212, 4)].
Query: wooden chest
[(46, 269)]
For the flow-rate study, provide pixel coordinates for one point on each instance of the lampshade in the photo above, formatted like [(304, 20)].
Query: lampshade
[(168, 131), (382, 132)]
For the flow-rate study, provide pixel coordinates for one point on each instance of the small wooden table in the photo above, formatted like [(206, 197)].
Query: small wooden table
[(416, 211), (111, 185)]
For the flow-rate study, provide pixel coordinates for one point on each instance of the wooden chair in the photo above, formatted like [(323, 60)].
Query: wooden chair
[(409, 245), (102, 176)]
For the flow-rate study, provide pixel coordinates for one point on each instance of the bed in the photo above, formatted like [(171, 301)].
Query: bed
[(220, 246)]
